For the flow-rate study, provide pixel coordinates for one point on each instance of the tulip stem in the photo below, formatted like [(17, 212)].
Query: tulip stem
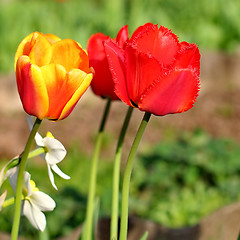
[(127, 176), (93, 176), (22, 165), (116, 176)]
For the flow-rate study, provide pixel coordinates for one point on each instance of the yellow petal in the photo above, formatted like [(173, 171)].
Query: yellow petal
[(37, 47), (23, 48), (54, 76), (69, 54), (41, 52), (85, 82), (52, 38)]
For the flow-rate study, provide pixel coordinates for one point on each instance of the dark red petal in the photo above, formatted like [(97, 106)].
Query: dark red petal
[(141, 71), (102, 83), (160, 43), (116, 60), (189, 57), (175, 93), (122, 36)]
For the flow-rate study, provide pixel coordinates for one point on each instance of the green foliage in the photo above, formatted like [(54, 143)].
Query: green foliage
[(204, 22), (183, 180), (178, 182)]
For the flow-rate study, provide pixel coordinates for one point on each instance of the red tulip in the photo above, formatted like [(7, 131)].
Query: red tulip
[(102, 84), (52, 74), (155, 72)]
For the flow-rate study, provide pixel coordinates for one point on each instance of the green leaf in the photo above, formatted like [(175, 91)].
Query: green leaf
[(144, 237)]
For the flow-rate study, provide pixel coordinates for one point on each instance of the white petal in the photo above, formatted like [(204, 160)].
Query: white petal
[(34, 215), (58, 171), (26, 183), (43, 201), (51, 177), (56, 151), (3, 175), (12, 176), (43, 156), (39, 140)]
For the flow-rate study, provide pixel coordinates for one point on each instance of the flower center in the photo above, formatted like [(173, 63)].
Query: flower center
[(25, 192)]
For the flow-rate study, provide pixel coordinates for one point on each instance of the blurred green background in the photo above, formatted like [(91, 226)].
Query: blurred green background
[(211, 24), (172, 179)]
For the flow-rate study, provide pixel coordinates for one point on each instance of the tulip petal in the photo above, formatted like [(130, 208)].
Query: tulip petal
[(141, 71), (52, 38), (189, 57), (31, 87), (160, 43), (116, 63), (102, 83), (42, 201), (41, 52), (37, 47), (54, 76), (69, 54), (175, 93), (80, 79), (34, 215), (24, 48), (122, 36), (96, 47)]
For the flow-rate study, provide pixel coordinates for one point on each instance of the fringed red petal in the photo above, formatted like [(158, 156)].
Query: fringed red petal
[(174, 93)]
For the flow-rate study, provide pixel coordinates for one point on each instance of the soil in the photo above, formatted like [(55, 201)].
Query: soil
[(217, 111)]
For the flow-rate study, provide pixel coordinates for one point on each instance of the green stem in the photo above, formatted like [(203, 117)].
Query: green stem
[(127, 176), (22, 165), (116, 176), (37, 152), (93, 175), (32, 154), (8, 202)]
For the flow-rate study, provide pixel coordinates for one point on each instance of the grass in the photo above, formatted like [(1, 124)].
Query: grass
[(207, 23)]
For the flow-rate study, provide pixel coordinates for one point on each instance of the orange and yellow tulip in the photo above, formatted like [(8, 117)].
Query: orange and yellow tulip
[(52, 74)]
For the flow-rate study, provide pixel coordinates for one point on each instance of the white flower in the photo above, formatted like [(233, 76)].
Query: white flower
[(3, 176), (34, 201), (55, 153)]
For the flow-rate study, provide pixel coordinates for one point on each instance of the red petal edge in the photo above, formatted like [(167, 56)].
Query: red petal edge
[(116, 61), (174, 93)]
